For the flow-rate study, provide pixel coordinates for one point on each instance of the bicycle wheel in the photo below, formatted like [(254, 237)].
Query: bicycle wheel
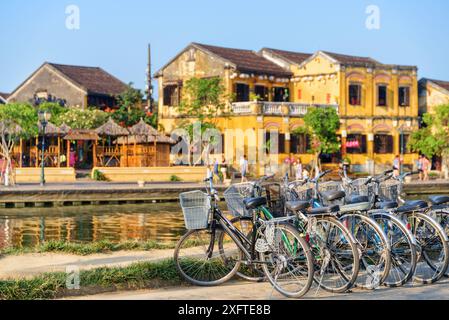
[(248, 271), (375, 258), (402, 249), (335, 254), (201, 262), (442, 217), (432, 247), (287, 261)]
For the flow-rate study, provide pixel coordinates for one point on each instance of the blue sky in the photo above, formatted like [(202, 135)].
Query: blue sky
[(114, 34)]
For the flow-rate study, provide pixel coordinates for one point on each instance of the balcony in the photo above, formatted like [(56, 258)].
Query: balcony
[(276, 108)]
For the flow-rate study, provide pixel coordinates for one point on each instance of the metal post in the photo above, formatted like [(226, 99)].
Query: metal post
[(401, 165), (44, 124)]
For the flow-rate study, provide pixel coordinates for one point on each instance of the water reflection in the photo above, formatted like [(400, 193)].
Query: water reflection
[(31, 226)]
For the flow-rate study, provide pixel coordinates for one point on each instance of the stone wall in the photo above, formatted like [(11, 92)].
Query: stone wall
[(48, 81)]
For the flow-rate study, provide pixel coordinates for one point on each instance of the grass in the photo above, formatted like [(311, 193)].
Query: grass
[(84, 249), (53, 285)]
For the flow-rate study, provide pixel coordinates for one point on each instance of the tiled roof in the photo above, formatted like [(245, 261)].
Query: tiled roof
[(353, 60), (246, 60), (442, 84), (93, 79), (295, 57), (4, 95)]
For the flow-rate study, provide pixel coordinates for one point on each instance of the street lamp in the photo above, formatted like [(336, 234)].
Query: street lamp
[(44, 118)]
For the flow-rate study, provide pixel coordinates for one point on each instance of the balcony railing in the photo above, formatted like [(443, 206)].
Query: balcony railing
[(276, 108)]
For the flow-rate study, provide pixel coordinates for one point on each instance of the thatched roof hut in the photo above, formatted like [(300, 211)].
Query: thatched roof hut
[(144, 133), (64, 129), (143, 129), (112, 129), (82, 134)]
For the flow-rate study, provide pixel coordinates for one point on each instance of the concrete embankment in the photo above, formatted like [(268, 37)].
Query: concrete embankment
[(98, 193)]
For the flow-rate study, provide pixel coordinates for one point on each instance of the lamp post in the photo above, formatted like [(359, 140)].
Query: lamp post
[(44, 118)]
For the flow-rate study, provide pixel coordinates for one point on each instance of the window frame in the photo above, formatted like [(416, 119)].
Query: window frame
[(244, 97), (408, 96), (378, 95), (299, 143), (363, 149), (389, 148), (358, 103)]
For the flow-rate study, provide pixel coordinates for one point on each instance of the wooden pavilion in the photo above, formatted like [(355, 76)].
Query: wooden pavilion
[(147, 147), (110, 153)]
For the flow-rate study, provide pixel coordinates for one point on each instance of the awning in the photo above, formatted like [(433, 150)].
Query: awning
[(82, 135)]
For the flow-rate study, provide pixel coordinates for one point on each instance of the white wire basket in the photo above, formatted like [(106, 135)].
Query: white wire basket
[(304, 192), (234, 197), (358, 187), (196, 209), (330, 186), (390, 190)]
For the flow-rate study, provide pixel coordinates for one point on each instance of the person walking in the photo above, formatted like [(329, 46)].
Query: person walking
[(396, 166), (299, 170), (244, 168), (426, 166), (419, 166), (224, 169)]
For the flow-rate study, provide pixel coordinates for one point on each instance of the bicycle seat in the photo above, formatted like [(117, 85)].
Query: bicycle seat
[(387, 205), (297, 205), (254, 203), (358, 199), (412, 206), (437, 200), (333, 195), (416, 203), (324, 210)]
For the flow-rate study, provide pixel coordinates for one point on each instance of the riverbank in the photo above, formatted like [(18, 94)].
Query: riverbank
[(101, 193)]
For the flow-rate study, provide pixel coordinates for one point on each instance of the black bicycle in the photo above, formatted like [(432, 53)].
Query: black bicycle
[(213, 251)]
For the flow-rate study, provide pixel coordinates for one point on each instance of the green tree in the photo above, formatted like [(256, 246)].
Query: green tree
[(83, 118), (16, 121), (433, 138), (131, 98), (205, 100), (321, 124), (55, 109)]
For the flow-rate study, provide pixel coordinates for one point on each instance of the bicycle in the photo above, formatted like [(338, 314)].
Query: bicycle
[(213, 249), (373, 245), (320, 229), (402, 242)]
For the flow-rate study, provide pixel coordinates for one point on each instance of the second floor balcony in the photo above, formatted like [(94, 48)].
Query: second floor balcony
[(276, 108)]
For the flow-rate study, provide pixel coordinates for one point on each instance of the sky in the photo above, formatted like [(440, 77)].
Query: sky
[(114, 34)]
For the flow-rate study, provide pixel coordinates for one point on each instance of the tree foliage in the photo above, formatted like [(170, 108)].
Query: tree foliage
[(205, 99), (83, 118), (131, 98), (322, 124), (433, 138)]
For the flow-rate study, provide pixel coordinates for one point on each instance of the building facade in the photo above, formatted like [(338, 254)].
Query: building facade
[(273, 89), (432, 93), (72, 86)]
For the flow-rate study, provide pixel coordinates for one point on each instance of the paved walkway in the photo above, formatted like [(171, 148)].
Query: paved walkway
[(95, 185), (262, 291), (29, 265)]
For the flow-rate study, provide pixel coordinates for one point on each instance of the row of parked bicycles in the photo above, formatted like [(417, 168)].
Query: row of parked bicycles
[(336, 234)]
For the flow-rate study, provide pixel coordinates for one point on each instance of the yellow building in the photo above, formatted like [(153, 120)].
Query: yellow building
[(432, 93), (377, 103)]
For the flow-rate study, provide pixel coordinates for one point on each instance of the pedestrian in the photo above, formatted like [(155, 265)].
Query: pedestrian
[(244, 168), (217, 169), (224, 169), (426, 166), (299, 170), (72, 158), (419, 165), (396, 166)]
